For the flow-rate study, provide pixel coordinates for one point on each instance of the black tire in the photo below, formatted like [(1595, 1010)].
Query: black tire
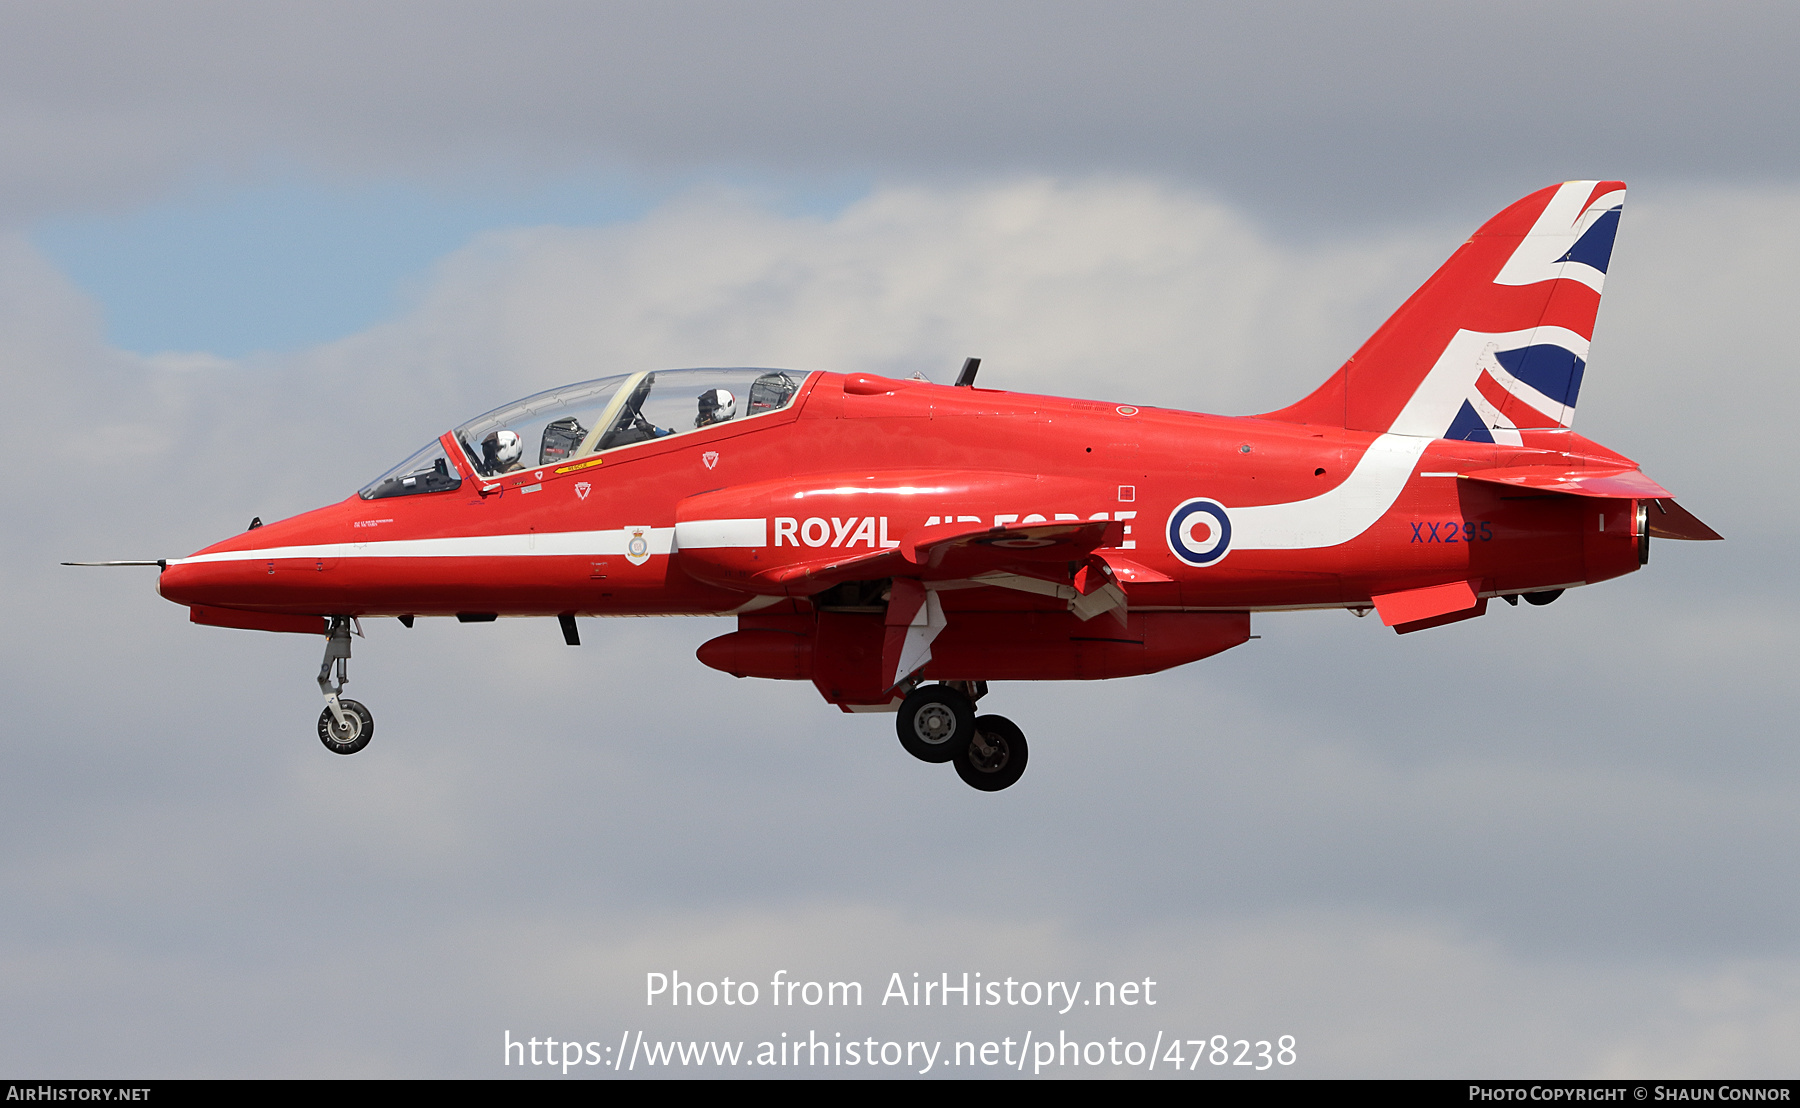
[(1539, 599), (936, 723), (1003, 761), (352, 739)]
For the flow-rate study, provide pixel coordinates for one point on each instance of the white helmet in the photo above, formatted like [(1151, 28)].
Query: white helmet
[(716, 406), (502, 448)]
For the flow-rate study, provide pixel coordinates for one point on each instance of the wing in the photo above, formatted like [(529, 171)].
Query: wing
[(956, 552)]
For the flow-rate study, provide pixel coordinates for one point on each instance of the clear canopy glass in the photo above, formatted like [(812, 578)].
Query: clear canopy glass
[(589, 418), (595, 416), (427, 471)]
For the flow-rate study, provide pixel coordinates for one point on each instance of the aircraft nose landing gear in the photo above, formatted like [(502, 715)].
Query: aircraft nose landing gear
[(350, 736), (345, 726)]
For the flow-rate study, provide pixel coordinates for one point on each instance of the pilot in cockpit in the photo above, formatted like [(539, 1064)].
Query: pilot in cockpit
[(500, 452), (716, 406)]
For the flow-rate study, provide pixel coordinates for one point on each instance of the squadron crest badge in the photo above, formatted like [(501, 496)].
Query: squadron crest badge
[(637, 545)]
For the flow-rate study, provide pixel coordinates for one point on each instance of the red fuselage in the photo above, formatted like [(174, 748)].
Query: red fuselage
[(859, 462)]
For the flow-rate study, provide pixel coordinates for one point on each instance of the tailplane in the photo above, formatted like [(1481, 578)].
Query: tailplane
[(1493, 346)]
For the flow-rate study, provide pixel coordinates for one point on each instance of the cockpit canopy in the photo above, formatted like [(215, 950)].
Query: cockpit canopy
[(591, 418)]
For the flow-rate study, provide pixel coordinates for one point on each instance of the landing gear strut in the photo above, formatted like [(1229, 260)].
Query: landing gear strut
[(345, 726)]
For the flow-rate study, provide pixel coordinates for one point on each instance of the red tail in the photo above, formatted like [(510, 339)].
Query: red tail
[(1496, 341)]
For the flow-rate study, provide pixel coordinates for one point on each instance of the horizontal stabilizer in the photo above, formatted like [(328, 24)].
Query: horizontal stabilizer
[(1669, 520), (1617, 484), (1665, 519)]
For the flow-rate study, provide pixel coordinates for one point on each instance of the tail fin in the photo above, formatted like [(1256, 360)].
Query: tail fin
[(1494, 344)]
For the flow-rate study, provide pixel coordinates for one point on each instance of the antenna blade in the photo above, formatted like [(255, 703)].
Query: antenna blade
[(966, 379)]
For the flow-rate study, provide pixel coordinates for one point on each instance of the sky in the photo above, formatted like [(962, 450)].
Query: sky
[(250, 257)]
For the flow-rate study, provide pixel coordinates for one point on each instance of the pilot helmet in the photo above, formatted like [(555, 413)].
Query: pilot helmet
[(716, 406), (502, 448)]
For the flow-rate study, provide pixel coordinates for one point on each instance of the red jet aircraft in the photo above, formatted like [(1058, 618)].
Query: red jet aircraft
[(901, 544)]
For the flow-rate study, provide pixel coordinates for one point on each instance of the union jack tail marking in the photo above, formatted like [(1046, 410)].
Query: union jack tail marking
[(1494, 345)]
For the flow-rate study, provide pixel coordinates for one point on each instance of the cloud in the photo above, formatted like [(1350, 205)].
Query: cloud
[(1318, 111), (1551, 839)]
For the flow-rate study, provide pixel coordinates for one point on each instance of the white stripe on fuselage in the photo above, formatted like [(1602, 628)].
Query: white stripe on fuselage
[(536, 544), (715, 534), (1337, 516), (1326, 520)]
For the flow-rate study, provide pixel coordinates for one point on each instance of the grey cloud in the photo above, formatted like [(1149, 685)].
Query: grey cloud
[(1308, 114)]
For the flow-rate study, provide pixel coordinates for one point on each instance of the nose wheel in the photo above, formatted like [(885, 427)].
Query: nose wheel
[(350, 736), (345, 726)]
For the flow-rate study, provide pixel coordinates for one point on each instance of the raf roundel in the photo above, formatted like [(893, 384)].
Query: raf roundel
[(1200, 532)]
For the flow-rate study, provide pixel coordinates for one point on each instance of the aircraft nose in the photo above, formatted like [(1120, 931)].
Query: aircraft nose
[(193, 583), (285, 566), (257, 584)]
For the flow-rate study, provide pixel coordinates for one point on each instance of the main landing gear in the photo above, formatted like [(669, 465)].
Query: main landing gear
[(345, 726), (937, 723)]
